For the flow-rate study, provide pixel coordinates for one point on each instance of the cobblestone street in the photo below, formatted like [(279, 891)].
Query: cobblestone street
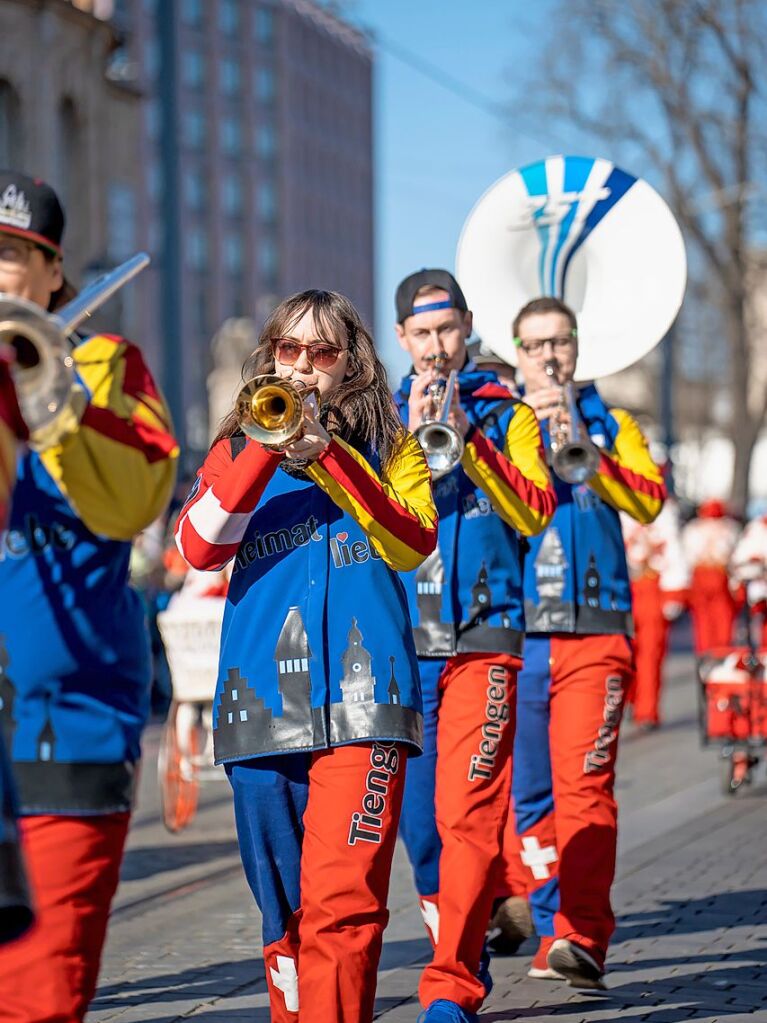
[(690, 897)]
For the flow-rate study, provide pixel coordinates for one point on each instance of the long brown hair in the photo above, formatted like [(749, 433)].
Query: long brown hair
[(360, 410)]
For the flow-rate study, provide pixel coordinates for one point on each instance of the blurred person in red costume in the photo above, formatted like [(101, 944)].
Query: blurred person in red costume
[(708, 542), (660, 583)]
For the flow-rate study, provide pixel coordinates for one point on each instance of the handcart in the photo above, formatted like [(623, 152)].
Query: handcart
[(191, 632), (732, 691)]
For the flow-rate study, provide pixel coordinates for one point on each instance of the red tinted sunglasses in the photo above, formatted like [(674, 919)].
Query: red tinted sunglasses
[(323, 356)]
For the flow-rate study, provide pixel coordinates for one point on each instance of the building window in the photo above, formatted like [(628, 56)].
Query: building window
[(121, 221), (267, 259), (194, 129), (231, 79), (152, 57), (192, 69), (266, 142), (228, 16), (264, 25), (231, 136), (194, 190), (267, 202), (233, 253), (197, 248), (264, 85), (231, 195), (191, 12), (154, 181), (10, 126), (69, 154)]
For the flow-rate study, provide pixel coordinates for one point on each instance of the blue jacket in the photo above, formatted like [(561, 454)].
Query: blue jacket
[(316, 645), (576, 578), (467, 596)]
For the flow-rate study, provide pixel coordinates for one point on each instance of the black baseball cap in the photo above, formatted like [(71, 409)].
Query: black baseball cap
[(31, 209), (409, 288)]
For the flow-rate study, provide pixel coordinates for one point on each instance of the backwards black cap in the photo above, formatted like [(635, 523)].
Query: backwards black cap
[(409, 288), (30, 209)]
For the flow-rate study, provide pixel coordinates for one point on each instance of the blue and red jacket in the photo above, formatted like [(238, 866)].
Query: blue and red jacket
[(316, 645), (467, 596), (74, 659), (576, 579)]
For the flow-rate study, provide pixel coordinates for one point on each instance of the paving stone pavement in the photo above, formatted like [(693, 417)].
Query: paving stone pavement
[(690, 898)]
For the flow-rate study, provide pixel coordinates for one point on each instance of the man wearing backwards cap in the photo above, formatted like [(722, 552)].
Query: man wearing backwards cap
[(467, 609), (73, 704)]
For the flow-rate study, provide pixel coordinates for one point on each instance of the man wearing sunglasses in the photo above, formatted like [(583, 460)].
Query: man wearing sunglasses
[(74, 659), (578, 662), (467, 609)]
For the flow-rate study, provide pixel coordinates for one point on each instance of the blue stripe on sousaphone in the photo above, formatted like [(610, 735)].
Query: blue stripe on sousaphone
[(534, 177), (617, 184), (576, 174)]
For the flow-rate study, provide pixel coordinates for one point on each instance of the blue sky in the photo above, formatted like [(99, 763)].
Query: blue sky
[(436, 153)]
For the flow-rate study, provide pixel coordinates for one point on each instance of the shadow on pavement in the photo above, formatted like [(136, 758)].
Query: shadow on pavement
[(689, 916), (149, 860)]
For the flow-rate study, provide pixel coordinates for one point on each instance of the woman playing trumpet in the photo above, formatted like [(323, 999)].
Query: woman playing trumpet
[(318, 700)]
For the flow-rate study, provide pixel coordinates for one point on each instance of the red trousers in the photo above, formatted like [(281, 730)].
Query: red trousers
[(713, 608), (650, 646), (49, 975), (569, 707), (475, 735), (317, 835)]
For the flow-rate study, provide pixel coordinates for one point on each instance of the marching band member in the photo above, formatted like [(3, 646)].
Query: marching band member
[(748, 567), (709, 541), (467, 607), (578, 663), (15, 902), (318, 701), (659, 592), (75, 663)]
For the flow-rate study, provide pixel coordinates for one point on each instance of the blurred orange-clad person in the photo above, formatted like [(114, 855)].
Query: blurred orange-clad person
[(709, 541), (660, 582)]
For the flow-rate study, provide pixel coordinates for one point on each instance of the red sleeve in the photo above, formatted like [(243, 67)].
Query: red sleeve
[(226, 492)]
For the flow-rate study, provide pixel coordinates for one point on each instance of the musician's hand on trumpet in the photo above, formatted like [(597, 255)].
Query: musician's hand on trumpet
[(544, 402), (421, 403), (314, 439)]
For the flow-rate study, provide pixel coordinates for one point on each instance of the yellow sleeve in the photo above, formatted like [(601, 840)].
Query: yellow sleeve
[(627, 477), (517, 481), (117, 465), (396, 510)]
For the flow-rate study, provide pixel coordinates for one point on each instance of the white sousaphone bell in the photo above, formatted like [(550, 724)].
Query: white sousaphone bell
[(583, 230)]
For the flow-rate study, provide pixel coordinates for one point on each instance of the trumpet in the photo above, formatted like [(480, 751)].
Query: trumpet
[(271, 410), (44, 369), (442, 444), (573, 457)]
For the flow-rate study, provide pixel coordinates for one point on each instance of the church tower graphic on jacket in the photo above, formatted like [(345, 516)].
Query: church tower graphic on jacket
[(358, 682), (431, 633), (245, 723), (551, 612)]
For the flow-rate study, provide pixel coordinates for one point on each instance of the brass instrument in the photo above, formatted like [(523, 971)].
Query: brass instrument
[(442, 444), (573, 457), (271, 410), (44, 369)]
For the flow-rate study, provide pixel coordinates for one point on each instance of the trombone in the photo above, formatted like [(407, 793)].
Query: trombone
[(573, 456), (44, 369), (270, 410), (442, 444)]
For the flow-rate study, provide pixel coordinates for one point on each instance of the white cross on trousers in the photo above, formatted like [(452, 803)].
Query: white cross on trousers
[(430, 914), (538, 857), (285, 979)]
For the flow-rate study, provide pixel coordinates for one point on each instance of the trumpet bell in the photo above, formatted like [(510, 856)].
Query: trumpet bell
[(271, 411), (442, 445), (575, 462), (43, 369)]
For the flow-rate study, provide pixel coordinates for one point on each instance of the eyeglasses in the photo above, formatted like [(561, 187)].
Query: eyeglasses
[(15, 251), (559, 345), (287, 352)]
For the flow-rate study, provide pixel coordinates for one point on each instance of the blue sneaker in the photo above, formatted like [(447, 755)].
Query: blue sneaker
[(443, 1011), (484, 970)]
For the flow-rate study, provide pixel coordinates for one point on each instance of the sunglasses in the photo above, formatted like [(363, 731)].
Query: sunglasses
[(287, 352)]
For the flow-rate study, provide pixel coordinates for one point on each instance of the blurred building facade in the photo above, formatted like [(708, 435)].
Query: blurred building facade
[(256, 151), (65, 118)]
